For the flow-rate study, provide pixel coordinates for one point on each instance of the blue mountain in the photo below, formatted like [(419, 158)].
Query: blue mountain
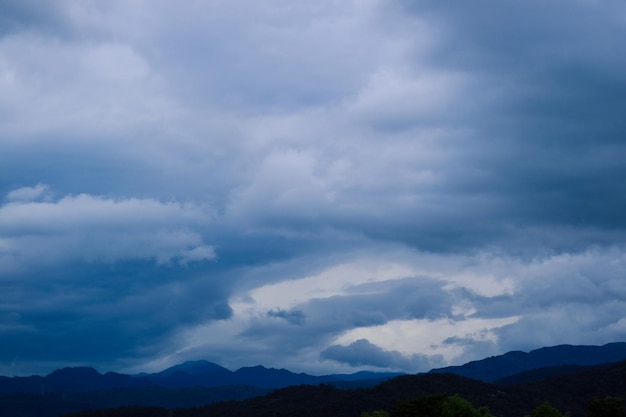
[(207, 374), (515, 362), (192, 368), (75, 379), (189, 374)]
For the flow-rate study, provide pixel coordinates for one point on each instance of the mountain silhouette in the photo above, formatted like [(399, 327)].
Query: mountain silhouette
[(186, 375), (568, 387), (192, 368), (208, 374), (569, 393), (515, 362), (86, 379)]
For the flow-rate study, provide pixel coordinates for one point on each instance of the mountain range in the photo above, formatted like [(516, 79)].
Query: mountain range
[(568, 393), (189, 374), (198, 383), (494, 368), (571, 394)]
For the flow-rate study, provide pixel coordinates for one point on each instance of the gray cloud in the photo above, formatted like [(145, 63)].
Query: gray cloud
[(85, 227), (379, 302), (28, 193), (321, 320), (296, 317), (30, 15), (364, 353)]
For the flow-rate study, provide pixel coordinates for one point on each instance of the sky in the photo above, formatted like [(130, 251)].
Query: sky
[(327, 186)]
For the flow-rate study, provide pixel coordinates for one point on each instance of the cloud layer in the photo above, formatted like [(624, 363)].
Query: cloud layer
[(329, 187)]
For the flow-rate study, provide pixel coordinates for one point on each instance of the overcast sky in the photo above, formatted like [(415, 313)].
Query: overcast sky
[(325, 186)]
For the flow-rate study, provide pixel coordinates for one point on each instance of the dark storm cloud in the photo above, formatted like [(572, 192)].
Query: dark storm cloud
[(292, 316), (539, 100), (364, 353), (18, 16), (128, 310), (378, 302), (137, 258)]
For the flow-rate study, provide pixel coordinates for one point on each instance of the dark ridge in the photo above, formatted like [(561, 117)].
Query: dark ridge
[(186, 375), (192, 368), (568, 393), (572, 392), (568, 387), (497, 367), (52, 404), (541, 373)]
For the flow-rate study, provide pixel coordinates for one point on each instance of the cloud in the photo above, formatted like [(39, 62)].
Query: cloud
[(376, 303), (112, 266), (396, 101), (199, 253), (177, 172), (86, 227), (295, 317), (28, 193), (363, 353), (30, 16)]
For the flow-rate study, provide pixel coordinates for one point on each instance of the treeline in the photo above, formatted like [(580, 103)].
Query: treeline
[(592, 393), (455, 406), (427, 406)]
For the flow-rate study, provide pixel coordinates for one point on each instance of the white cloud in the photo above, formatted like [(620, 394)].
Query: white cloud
[(96, 228), (28, 193), (199, 253), (72, 92), (333, 281), (393, 100), (428, 336)]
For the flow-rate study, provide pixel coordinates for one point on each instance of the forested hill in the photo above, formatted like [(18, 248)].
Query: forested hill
[(497, 367), (571, 392)]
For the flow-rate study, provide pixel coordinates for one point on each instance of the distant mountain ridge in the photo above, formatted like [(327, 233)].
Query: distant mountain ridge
[(189, 374), (498, 367), (566, 386), (533, 365), (539, 374), (192, 368), (569, 393)]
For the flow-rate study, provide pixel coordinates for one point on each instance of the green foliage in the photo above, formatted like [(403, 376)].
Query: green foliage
[(377, 413), (430, 406), (607, 407), (439, 406), (455, 406), (546, 410)]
